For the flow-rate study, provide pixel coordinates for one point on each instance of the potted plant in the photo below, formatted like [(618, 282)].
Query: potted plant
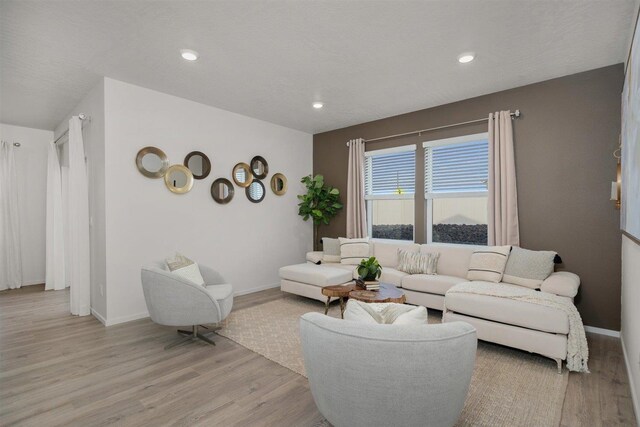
[(369, 270), (321, 203)]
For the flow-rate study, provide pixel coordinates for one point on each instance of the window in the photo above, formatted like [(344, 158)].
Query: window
[(456, 175), (390, 179)]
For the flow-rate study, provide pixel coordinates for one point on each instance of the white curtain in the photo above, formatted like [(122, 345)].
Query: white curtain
[(503, 227), (55, 223), (10, 250), (356, 207), (78, 250)]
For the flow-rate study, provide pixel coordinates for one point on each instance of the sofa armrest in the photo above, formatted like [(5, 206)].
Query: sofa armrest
[(314, 257), (561, 283)]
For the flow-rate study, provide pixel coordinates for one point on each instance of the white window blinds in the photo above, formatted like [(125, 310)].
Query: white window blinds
[(459, 167), (390, 172)]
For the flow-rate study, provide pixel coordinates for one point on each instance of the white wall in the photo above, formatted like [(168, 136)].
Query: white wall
[(31, 170), (246, 242), (630, 331), (93, 136)]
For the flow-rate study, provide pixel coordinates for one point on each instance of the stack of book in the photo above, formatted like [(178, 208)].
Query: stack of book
[(368, 286)]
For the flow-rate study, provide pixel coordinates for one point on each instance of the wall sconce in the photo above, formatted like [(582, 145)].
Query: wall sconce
[(616, 186)]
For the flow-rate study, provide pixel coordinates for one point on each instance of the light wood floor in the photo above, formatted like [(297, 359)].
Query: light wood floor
[(56, 369)]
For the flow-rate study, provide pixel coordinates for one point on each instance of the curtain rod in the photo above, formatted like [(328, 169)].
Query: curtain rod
[(82, 118), (514, 115)]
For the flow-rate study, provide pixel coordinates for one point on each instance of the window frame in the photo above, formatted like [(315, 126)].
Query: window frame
[(429, 197), (370, 198)]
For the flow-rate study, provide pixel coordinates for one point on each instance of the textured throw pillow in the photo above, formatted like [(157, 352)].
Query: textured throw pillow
[(488, 264), (352, 251), (417, 263), (185, 268), (387, 313), (528, 268), (330, 250)]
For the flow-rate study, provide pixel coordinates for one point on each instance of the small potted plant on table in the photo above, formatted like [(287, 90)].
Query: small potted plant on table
[(369, 270)]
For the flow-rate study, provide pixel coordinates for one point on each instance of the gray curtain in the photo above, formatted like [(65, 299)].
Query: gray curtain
[(503, 228), (10, 248), (356, 208)]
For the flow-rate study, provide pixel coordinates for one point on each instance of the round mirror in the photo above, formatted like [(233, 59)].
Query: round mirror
[(152, 162), (222, 191), (259, 167), (242, 175), (178, 179), (255, 191), (279, 184), (198, 163)]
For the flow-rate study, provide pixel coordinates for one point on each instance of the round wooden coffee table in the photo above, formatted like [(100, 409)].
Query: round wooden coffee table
[(387, 293), (337, 291)]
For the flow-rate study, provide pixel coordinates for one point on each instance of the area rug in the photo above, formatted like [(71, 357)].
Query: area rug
[(508, 388)]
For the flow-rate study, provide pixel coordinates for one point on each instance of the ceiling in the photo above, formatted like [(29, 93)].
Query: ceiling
[(271, 59)]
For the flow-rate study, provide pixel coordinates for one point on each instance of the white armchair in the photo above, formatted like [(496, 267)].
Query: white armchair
[(175, 301), (368, 375)]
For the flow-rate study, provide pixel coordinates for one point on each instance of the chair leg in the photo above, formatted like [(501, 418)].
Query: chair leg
[(192, 335), (206, 339)]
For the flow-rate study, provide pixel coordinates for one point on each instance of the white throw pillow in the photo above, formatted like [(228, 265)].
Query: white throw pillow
[(185, 268), (385, 313), (488, 264), (330, 250), (352, 251)]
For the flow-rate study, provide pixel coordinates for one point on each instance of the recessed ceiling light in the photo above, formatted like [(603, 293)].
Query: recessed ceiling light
[(317, 105), (466, 57), (189, 55)]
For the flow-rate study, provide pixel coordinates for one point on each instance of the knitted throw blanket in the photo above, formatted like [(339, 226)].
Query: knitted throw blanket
[(577, 350)]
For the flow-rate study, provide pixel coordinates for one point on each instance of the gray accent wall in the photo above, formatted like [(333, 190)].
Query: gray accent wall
[(564, 142)]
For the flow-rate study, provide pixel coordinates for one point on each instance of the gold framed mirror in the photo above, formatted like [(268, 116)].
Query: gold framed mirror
[(222, 191), (259, 167), (279, 184), (178, 179), (152, 162), (242, 175), (198, 163), (255, 191)]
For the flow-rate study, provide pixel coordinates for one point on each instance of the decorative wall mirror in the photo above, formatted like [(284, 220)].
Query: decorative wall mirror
[(255, 191), (279, 184), (152, 162), (242, 175), (198, 163), (178, 179), (259, 167), (222, 191)]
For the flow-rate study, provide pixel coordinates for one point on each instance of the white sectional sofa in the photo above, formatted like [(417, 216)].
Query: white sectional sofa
[(530, 327)]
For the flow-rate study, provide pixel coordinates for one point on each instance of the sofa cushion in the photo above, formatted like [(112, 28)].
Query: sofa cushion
[(488, 264), (393, 276), (318, 275), (528, 268), (387, 253), (352, 251), (182, 266), (453, 260), (330, 250), (504, 310), (429, 283)]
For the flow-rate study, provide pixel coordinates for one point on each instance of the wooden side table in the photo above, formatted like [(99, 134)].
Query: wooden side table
[(387, 293), (337, 291)]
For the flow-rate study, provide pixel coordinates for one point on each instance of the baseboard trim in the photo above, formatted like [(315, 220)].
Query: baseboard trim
[(132, 317), (258, 289), (634, 392), (124, 319), (99, 316), (601, 331)]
